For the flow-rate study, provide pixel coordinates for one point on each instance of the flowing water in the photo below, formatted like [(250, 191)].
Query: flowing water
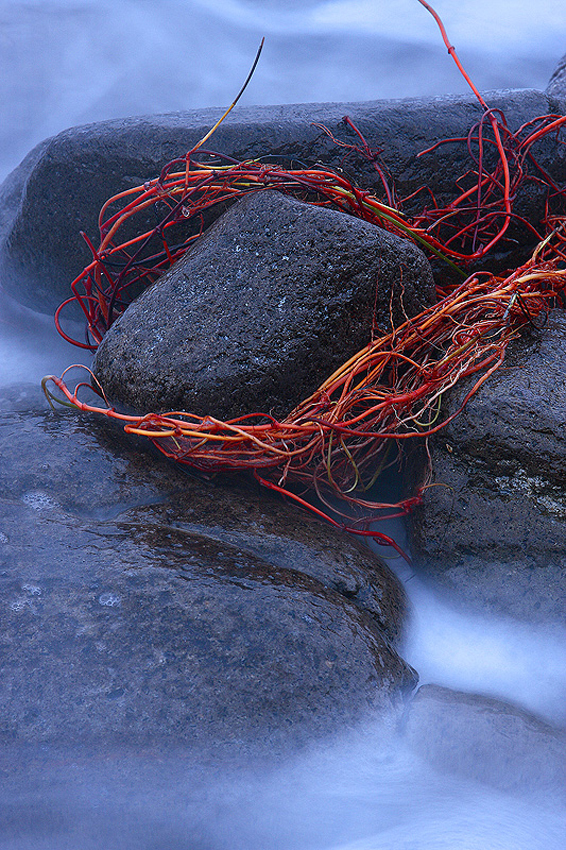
[(68, 62), (65, 62)]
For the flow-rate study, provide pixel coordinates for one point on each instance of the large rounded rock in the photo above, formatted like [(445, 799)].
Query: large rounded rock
[(59, 188), (494, 533), (269, 302), (140, 604)]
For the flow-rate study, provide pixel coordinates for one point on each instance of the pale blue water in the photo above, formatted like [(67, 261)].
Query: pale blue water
[(67, 62)]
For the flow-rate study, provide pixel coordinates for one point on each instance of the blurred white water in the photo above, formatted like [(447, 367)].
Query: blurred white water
[(499, 657), (491, 655), (354, 793), (67, 62), (30, 347)]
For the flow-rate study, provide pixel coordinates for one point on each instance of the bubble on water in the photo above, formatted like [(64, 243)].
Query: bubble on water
[(110, 600), (3, 537), (38, 500), (21, 603), (33, 589)]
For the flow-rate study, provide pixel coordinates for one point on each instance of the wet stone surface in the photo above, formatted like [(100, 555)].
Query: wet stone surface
[(139, 603), (556, 88), (494, 533)]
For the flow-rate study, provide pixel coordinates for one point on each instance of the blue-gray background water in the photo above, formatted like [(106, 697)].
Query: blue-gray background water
[(68, 62), (64, 63)]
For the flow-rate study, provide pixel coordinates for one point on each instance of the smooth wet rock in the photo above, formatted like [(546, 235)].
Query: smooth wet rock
[(140, 604), (267, 304), (59, 188), (486, 740), (493, 533)]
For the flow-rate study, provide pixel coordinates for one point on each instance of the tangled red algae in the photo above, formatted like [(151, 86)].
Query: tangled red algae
[(337, 441)]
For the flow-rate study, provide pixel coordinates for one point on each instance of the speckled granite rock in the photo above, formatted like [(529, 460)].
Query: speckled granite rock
[(495, 534), (269, 302)]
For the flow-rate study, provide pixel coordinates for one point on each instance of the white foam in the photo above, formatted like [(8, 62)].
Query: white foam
[(38, 500), (110, 600), (488, 654)]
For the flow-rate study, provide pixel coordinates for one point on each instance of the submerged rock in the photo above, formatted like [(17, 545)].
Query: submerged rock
[(141, 604), (494, 533), (486, 740), (269, 302)]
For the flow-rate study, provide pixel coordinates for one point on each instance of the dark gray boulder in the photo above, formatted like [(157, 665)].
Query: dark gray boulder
[(556, 88), (486, 740), (140, 604), (494, 535), (60, 186), (269, 302)]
